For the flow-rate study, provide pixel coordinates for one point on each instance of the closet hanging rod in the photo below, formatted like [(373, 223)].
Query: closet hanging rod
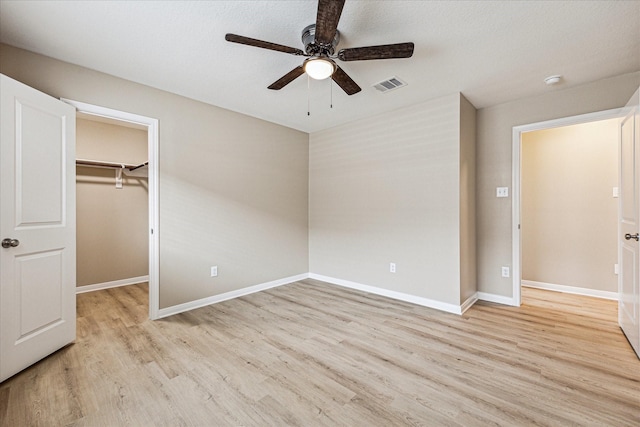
[(141, 165), (111, 165)]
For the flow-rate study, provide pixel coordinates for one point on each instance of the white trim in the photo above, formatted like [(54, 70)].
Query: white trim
[(571, 290), (515, 177), (516, 246), (151, 125), (180, 308), (469, 302), (499, 299), (112, 284), (425, 302)]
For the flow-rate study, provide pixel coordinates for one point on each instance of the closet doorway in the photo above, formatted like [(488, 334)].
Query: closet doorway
[(117, 209), (546, 267), (569, 209)]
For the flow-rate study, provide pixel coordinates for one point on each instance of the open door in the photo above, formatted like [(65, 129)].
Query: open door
[(37, 226), (629, 224)]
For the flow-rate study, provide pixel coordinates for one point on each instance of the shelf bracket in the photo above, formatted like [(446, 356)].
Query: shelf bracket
[(119, 177)]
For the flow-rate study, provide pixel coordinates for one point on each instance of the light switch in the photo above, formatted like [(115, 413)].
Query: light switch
[(502, 192), (616, 192)]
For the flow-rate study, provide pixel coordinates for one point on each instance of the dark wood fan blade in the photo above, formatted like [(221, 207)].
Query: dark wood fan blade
[(329, 12), (387, 51), (234, 38), (287, 78), (345, 82)]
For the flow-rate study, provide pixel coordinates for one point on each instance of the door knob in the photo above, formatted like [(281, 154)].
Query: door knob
[(10, 243), (632, 236)]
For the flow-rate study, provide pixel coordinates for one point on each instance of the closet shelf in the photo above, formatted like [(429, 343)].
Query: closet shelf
[(132, 170)]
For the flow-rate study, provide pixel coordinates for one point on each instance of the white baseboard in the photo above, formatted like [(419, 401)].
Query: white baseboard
[(425, 302), (499, 299), (113, 284), (180, 308), (468, 303), (571, 290)]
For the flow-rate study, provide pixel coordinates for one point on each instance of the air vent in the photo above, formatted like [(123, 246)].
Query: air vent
[(389, 84)]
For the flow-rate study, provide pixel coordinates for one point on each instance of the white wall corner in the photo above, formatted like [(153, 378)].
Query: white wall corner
[(181, 308)]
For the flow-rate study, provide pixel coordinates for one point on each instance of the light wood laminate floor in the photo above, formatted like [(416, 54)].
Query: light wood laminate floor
[(311, 354)]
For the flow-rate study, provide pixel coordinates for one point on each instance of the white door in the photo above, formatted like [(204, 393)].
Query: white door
[(37, 226), (629, 279)]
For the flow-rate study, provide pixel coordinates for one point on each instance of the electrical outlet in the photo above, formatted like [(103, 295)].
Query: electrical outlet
[(616, 269), (502, 191), (505, 271), (214, 271), (392, 267)]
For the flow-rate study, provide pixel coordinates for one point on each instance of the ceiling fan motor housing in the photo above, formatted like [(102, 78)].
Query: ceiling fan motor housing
[(310, 46)]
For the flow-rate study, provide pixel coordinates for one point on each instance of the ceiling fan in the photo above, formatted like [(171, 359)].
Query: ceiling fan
[(320, 41)]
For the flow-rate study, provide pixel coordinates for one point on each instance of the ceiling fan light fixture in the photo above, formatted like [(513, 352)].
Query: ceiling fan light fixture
[(319, 68)]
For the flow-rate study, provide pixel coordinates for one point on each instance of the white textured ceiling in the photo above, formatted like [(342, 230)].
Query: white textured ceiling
[(491, 51)]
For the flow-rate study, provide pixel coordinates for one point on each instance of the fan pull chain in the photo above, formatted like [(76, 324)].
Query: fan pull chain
[(331, 92), (308, 91)]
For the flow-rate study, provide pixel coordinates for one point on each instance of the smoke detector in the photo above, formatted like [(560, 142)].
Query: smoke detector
[(553, 80)]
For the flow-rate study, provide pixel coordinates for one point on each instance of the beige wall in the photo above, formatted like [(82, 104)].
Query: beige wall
[(100, 140), (233, 189), (230, 185), (468, 267), (388, 189), (494, 163), (568, 213), (111, 233)]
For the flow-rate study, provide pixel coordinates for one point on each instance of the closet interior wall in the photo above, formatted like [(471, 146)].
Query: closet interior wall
[(112, 223), (569, 214)]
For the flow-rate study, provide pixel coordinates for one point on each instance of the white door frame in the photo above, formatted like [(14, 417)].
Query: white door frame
[(515, 182), (153, 138)]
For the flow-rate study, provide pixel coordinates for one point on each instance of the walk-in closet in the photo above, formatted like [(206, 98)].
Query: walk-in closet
[(112, 203)]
